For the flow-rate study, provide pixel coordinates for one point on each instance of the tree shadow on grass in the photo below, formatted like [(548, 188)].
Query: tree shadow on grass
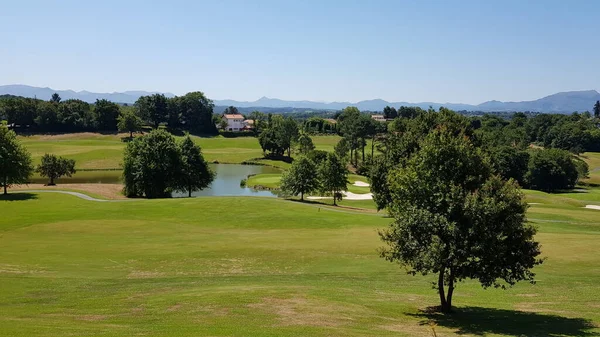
[(17, 196), (482, 321)]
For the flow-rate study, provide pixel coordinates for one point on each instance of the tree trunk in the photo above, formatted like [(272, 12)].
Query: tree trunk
[(446, 299), (372, 147), (334, 199), (363, 153), (130, 134), (450, 292), (51, 181), (301, 196), (5, 184), (190, 192), (441, 290)]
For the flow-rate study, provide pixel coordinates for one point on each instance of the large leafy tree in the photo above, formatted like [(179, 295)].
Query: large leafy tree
[(390, 112), (75, 115), (195, 173), (196, 113), (453, 218), (333, 176), (128, 121), (259, 120), (54, 167), (551, 170), (301, 178), (305, 143), (15, 161), (153, 109), (47, 116), (152, 165), (510, 162), (106, 113)]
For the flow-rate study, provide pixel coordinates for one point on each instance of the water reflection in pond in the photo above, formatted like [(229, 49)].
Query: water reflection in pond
[(227, 181)]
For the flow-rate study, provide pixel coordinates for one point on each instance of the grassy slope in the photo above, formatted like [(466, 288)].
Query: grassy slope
[(96, 151), (236, 267)]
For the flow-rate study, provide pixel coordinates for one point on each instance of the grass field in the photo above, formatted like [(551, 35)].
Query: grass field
[(264, 267), (97, 151)]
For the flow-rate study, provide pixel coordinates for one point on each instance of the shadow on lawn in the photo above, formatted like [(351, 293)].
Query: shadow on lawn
[(482, 321), (17, 196)]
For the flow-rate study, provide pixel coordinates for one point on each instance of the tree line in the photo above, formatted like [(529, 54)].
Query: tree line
[(192, 112)]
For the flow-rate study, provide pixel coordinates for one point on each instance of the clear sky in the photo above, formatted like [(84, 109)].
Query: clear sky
[(348, 50)]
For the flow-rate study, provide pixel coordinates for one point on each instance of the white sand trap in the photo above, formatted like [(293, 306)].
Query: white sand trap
[(535, 203), (593, 207), (361, 184), (348, 196)]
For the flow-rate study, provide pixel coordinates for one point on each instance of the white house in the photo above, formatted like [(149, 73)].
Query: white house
[(378, 118), (235, 122)]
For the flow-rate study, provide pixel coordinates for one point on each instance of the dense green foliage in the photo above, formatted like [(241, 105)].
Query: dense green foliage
[(551, 170), (453, 218), (154, 166), (279, 136), (333, 177), (195, 174), (128, 121), (15, 160), (301, 178), (192, 112), (305, 143), (54, 167)]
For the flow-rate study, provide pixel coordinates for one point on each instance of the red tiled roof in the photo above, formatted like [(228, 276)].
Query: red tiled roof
[(233, 116)]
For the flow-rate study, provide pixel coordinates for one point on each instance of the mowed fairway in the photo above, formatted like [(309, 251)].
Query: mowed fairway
[(264, 267), (97, 151)]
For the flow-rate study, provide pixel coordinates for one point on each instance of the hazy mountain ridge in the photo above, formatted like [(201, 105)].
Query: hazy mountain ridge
[(45, 93), (565, 102)]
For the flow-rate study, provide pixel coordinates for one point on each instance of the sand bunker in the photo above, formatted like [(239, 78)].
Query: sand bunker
[(361, 184), (593, 207)]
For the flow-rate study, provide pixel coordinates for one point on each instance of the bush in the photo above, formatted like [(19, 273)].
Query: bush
[(551, 170)]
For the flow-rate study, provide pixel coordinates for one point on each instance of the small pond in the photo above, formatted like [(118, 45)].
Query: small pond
[(227, 181)]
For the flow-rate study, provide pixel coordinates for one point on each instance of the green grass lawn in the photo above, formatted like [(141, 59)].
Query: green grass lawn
[(269, 180), (97, 151), (264, 267)]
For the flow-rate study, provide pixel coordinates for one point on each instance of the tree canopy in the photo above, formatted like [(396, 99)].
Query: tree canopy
[(333, 176), (301, 178), (455, 219), (54, 167), (195, 173), (152, 166), (15, 161)]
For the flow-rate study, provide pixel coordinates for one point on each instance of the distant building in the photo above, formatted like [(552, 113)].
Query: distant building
[(248, 125), (379, 118), (235, 122)]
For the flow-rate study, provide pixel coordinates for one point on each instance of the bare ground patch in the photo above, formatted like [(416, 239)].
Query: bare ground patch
[(140, 274), (310, 312)]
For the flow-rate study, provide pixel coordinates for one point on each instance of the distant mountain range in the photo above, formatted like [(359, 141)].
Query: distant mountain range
[(128, 97), (560, 102)]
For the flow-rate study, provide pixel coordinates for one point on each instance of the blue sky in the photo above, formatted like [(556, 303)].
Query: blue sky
[(443, 51)]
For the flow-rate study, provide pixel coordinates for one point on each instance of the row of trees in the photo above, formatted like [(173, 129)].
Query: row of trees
[(16, 166), (155, 165), (327, 175), (191, 112)]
